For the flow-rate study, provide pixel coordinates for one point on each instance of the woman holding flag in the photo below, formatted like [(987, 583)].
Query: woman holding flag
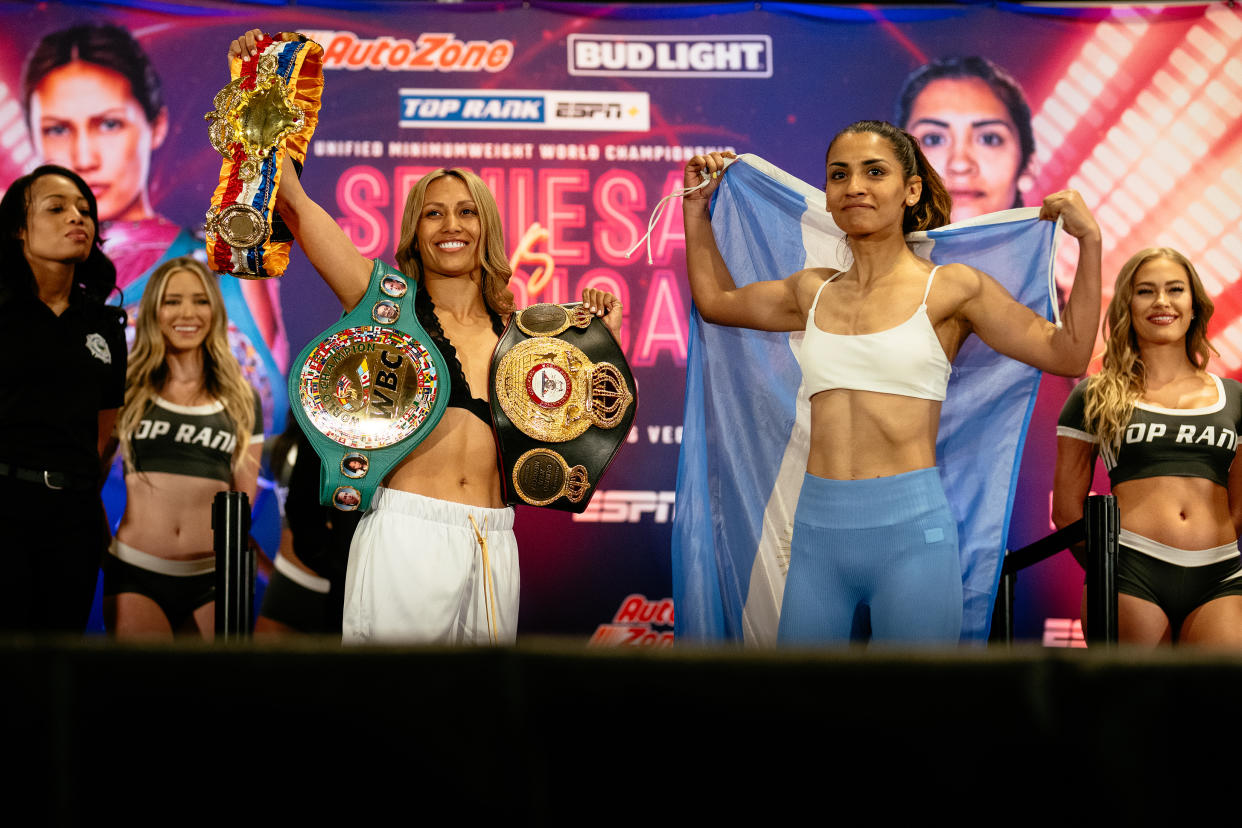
[(872, 528)]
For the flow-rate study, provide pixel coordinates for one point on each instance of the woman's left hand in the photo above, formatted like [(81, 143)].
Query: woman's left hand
[(604, 304), (1068, 206), (245, 46)]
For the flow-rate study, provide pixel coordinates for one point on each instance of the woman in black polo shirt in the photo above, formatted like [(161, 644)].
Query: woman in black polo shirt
[(66, 375)]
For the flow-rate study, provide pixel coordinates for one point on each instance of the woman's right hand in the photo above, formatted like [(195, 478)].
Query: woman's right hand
[(245, 46), (713, 164)]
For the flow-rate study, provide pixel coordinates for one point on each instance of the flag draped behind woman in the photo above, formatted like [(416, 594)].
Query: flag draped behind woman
[(746, 431)]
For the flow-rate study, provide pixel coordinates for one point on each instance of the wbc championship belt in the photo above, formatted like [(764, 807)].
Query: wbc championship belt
[(271, 106), (368, 390), (563, 400)]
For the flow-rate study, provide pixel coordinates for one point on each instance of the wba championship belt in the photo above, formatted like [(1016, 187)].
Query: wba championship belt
[(563, 400), (272, 105), (368, 390)]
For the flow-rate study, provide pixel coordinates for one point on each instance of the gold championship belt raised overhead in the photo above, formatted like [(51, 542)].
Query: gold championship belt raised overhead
[(563, 400), (270, 107)]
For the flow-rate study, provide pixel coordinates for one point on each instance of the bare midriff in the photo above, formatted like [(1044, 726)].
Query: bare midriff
[(1182, 512), (456, 462), (864, 434), (169, 515)]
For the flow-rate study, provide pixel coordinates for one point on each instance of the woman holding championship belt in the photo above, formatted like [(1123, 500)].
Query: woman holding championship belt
[(872, 526), (191, 428), (67, 372), (1168, 432), (416, 568)]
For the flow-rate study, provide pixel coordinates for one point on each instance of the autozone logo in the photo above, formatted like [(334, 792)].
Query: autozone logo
[(625, 506), (525, 109), (726, 56), (429, 52), (635, 623)]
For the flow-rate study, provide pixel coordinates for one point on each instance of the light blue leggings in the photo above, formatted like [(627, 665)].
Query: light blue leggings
[(887, 543)]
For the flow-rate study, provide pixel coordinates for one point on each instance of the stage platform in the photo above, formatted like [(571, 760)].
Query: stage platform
[(550, 732)]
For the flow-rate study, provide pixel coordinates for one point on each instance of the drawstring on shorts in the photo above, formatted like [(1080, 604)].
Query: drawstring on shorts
[(489, 589)]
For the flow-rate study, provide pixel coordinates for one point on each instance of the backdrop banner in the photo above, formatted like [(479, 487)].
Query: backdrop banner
[(580, 118)]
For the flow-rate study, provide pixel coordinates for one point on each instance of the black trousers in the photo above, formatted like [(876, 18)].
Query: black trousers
[(51, 543)]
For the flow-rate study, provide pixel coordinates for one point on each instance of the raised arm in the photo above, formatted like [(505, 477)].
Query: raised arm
[(1018, 332), (327, 247), (765, 306)]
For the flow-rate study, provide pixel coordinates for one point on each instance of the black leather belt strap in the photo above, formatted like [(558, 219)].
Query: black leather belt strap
[(563, 401), (51, 479)]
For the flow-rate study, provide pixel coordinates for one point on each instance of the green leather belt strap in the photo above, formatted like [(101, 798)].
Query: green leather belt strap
[(368, 390)]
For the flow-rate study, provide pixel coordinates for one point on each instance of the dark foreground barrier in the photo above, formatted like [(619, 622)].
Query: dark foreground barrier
[(548, 733)]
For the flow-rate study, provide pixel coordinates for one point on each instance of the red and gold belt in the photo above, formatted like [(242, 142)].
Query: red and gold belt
[(272, 104)]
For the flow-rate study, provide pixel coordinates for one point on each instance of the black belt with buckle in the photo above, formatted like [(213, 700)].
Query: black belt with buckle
[(51, 479), (563, 400)]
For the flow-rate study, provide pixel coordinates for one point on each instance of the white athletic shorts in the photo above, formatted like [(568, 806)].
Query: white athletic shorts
[(416, 573)]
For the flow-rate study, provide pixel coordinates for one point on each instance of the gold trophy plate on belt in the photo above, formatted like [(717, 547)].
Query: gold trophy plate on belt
[(553, 392), (563, 401), (368, 387), (257, 118)]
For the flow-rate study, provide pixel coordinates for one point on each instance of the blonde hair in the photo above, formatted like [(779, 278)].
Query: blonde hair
[(148, 368), (1110, 394), (493, 261)]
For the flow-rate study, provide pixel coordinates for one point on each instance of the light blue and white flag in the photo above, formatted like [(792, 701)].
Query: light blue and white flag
[(746, 432)]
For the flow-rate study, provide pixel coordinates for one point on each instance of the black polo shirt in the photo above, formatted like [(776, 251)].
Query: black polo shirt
[(60, 372)]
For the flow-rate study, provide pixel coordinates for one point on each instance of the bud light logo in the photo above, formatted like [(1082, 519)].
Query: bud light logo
[(671, 56)]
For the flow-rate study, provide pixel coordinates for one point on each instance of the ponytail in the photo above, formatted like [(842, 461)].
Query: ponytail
[(934, 204)]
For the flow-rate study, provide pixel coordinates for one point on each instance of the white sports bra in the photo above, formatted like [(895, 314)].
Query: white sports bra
[(907, 360)]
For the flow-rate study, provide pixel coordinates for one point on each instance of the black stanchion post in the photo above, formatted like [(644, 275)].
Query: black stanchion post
[(1002, 613), (1103, 521), (230, 523)]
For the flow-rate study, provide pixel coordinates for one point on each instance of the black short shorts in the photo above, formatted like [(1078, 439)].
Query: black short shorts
[(1178, 590), (177, 595), (305, 610)]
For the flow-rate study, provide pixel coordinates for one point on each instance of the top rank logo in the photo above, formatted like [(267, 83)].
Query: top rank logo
[(525, 109), (722, 56)]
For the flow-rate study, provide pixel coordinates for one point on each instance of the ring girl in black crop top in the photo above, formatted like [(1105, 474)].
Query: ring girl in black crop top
[(872, 531), (191, 427), (1167, 431)]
